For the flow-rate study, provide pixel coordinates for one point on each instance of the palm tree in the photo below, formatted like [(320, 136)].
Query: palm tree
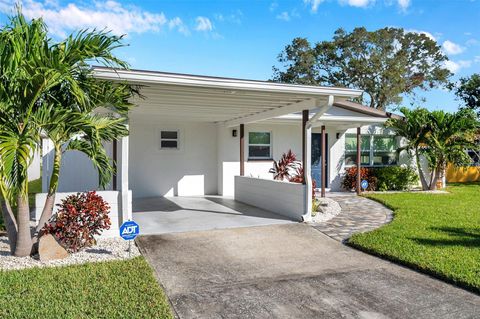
[(449, 136), (32, 73), (413, 126)]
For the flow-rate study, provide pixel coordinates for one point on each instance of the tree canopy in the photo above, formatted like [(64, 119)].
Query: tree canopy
[(468, 91), (386, 64)]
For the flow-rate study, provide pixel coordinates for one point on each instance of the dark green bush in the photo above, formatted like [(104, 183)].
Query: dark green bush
[(395, 178)]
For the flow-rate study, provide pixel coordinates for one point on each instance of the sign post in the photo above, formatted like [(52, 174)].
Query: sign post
[(364, 184), (128, 231)]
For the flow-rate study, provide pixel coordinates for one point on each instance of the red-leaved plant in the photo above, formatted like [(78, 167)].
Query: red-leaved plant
[(281, 170), (79, 218), (350, 180), (299, 177)]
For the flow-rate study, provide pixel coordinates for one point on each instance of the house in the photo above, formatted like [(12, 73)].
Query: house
[(198, 135)]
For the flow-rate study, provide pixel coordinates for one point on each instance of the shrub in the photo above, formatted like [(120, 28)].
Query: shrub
[(282, 169), (395, 178), (350, 180), (79, 218)]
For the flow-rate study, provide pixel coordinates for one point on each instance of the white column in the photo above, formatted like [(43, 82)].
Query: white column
[(307, 214), (47, 162), (125, 200)]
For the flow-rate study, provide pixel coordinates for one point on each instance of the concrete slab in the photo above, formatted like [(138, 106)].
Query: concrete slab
[(292, 271), (162, 215)]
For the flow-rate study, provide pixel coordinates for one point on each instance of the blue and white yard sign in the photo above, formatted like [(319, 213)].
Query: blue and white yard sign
[(129, 230), (364, 184)]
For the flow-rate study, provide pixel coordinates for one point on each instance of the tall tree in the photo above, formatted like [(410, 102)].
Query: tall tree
[(468, 91), (386, 63)]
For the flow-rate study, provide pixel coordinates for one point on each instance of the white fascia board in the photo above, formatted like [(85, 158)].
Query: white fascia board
[(272, 113), (222, 83)]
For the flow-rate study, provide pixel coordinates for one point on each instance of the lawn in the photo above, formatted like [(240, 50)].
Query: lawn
[(119, 289), (435, 233)]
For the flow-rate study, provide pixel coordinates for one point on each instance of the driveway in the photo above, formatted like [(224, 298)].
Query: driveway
[(292, 271), (162, 215)]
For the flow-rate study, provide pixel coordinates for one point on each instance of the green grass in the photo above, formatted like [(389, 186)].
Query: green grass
[(435, 233), (34, 187), (119, 289)]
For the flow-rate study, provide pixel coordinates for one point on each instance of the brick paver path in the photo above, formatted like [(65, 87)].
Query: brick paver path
[(359, 214)]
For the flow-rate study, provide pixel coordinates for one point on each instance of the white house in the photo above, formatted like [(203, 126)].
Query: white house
[(197, 135)]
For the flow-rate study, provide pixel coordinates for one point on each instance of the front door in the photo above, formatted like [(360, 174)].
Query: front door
[(317, 158)]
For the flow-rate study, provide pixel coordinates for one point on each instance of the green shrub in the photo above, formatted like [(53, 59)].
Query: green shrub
[(395, 178)]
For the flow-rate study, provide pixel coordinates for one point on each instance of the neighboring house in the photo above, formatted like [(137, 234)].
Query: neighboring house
[(194, 135), (465, 174)]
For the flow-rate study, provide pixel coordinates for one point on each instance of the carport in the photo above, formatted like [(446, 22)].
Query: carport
[(161, 215)]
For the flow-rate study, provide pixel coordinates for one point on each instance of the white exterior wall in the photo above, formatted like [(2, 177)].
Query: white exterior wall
[(284, 198), (34, 170), (191, 170)]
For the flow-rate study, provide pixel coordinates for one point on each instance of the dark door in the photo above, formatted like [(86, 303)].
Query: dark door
[(317, 158)]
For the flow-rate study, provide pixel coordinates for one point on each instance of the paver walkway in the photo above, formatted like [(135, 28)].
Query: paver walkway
[(359, 214)]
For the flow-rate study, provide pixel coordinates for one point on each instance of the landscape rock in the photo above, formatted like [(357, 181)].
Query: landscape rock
[(50, 249)]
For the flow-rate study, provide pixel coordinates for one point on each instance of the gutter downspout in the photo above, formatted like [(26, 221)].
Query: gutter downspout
[(307, 214)]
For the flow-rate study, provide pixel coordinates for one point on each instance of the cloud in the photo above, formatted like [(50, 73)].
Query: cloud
[(110, 15), (287, 16), (428, 34), (313, 4), (203, 24), (177, 24), (357, 3), (234, 17), (452, 48), (454, 67), (403, 4)]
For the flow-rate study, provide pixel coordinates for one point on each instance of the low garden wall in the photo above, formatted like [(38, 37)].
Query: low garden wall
[(111, 197), (284, 198)]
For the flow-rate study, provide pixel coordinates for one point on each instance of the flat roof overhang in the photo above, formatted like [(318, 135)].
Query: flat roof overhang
[(229, 101)]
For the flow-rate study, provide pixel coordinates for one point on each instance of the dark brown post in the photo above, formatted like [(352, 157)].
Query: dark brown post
[(323, 168), (305, 114), (242, 149), (114, 164), (359, 158)]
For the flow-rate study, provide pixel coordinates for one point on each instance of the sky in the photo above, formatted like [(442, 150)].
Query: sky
[(242, 39)]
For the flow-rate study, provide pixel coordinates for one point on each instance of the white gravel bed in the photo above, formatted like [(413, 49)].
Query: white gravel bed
[(105, 250), (329, 209)]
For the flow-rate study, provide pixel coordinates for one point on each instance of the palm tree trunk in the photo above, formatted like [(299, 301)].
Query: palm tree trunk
[(24, 238), (10, 225), (423, 181), (52, 190), (433, 179)]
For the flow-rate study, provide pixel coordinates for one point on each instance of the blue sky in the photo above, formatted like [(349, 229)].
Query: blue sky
[(243, 38)]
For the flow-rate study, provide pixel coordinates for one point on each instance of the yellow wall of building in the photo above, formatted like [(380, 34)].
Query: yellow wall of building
[(463, 175)]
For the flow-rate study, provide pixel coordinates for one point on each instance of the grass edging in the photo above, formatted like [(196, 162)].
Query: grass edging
[(392, 258)]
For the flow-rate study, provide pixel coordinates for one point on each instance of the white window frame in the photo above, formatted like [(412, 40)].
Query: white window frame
[(169, 139), (270, 155), (372, 151)]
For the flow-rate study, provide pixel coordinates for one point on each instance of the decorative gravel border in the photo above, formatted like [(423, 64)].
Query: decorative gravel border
[(106, 250), (329, 209)]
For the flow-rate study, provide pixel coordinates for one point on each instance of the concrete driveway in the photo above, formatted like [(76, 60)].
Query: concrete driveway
[(292, 271)]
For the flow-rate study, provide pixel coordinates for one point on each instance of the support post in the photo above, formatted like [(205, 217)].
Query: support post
[(114, 164), (125, 201), (323, 166), (305, 115), (308, 172), (359, 159), (242, 149)]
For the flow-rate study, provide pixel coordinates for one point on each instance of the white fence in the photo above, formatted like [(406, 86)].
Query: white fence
[(284, 198)]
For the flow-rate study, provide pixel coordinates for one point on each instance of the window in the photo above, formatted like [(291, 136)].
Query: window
[(376, 150), (259, 145), (475, 156), (169, 140)]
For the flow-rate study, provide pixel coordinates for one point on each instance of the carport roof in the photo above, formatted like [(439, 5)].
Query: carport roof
[(218, 99)]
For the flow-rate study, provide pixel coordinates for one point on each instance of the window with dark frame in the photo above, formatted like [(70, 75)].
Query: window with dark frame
[(259, 145), (376, 150), (169, 140)]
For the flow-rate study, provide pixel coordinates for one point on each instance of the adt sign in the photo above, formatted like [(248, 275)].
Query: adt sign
[(364, 184), (129, 230)]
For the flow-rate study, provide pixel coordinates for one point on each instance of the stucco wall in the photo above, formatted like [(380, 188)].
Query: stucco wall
[(284, 198), (190, 170)]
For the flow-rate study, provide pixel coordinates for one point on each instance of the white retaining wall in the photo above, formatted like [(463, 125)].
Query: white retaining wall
[(111, 197), (284, 198)]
